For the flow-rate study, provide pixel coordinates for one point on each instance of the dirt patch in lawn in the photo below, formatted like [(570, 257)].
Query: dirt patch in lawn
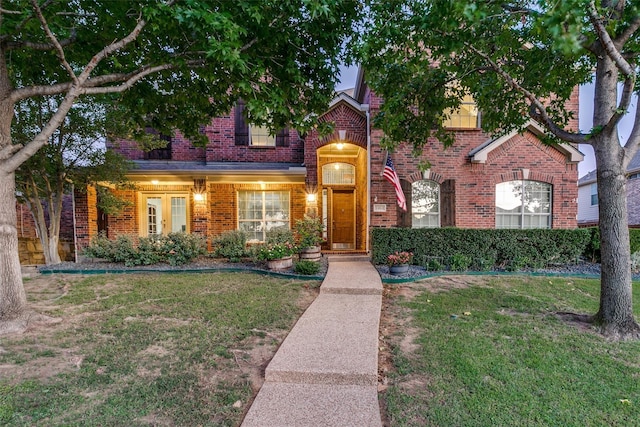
[(39, 355)]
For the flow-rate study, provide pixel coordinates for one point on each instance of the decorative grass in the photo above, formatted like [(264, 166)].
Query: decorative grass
[(496, 354), (148, 349)]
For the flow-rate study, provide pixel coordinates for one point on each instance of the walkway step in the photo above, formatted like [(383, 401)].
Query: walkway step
[(334, 342), (314, 405), (349, 258), (352, 277)]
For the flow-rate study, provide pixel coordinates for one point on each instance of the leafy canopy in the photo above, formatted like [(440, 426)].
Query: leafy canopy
[(190, 59), (518, 59)]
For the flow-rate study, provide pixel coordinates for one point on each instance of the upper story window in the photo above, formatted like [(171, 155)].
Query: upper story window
[(162, 153), (259, 137), (465, 117), (523, 204), (425, 204), (594, 194), (338, 174), (254, 135)]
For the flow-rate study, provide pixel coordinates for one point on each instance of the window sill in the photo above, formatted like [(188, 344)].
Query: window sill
[(262, 147)]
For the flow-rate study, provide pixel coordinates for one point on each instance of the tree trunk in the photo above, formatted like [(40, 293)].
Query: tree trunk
[(13, 300), (615, 315)]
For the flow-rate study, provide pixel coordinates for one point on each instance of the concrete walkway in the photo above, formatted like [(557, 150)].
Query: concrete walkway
[(325, 373)]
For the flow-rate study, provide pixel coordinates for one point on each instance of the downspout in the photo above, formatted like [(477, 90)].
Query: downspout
[(75, 236), (368, 178)]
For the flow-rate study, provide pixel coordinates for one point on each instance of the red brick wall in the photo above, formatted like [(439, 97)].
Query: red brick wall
[(221, 147), (475, 183), (345, 118), (86, 216)]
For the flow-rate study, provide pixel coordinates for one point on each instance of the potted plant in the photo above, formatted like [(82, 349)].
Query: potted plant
[(399, 262), (309, 232), (277, 255)]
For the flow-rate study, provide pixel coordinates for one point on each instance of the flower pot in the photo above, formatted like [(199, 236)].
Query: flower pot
[(399, 269), (312, 253), (280, 263)]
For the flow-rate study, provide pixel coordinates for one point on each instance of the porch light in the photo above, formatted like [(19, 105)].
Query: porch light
[(155, 182), (341, 135), (199, 189)]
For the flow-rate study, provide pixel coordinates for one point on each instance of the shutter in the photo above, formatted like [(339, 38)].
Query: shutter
[(282, 138), (404, 218), (241, 126), (448, 203)]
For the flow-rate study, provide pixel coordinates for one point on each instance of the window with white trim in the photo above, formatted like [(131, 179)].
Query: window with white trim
[(466, 116), (425, 204), (259, 136), (594, 194), (260, 211), (523, 204), (163, 213)]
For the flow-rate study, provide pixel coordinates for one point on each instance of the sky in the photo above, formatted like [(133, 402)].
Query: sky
[(348, 76)]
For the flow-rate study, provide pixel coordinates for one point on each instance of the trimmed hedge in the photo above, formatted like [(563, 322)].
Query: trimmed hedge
[(592, 252), (504, 248)]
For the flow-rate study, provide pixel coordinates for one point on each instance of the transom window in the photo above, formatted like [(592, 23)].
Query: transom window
[(425, 204), (466, 116), (338, 174), (259, 136), (523, 204), (260, 211)]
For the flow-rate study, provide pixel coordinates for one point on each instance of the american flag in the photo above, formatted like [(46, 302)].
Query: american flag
[(390, 175)]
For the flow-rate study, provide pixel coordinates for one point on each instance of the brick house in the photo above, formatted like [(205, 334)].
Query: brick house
[(244, 179), (588, 215)]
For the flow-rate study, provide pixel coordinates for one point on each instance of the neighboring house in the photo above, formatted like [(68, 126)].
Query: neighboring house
[(588, 196), (244, 179)]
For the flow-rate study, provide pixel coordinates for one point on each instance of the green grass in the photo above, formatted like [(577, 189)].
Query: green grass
[(152, 349), (510, 361)]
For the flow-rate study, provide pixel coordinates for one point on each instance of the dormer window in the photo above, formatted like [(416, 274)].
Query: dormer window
[(465, 117)]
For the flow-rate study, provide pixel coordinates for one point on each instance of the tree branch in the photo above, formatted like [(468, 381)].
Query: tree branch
[(634, 137), (41, 46), (607, 43), (536, 105), (628, 32), (54, 40)]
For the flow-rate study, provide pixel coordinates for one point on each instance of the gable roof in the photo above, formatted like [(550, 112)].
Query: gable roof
[(480, 153), (343, 97), (590, 177)]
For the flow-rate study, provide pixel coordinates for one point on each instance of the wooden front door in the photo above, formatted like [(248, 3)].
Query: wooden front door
[(343, 219)]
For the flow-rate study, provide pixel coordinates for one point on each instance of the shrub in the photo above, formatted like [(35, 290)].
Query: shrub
[(99, 247), (434, 264), (309, 231), (231, 245), (460, 262), (306, 267), (175, 249), (540, 247), (279, 235)]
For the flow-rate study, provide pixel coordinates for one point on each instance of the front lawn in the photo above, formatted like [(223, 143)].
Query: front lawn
[(492, 351), (146, 349)]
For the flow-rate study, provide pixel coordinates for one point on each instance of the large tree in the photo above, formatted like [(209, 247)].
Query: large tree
[(175, 63), (74, 157), (519, 60)]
